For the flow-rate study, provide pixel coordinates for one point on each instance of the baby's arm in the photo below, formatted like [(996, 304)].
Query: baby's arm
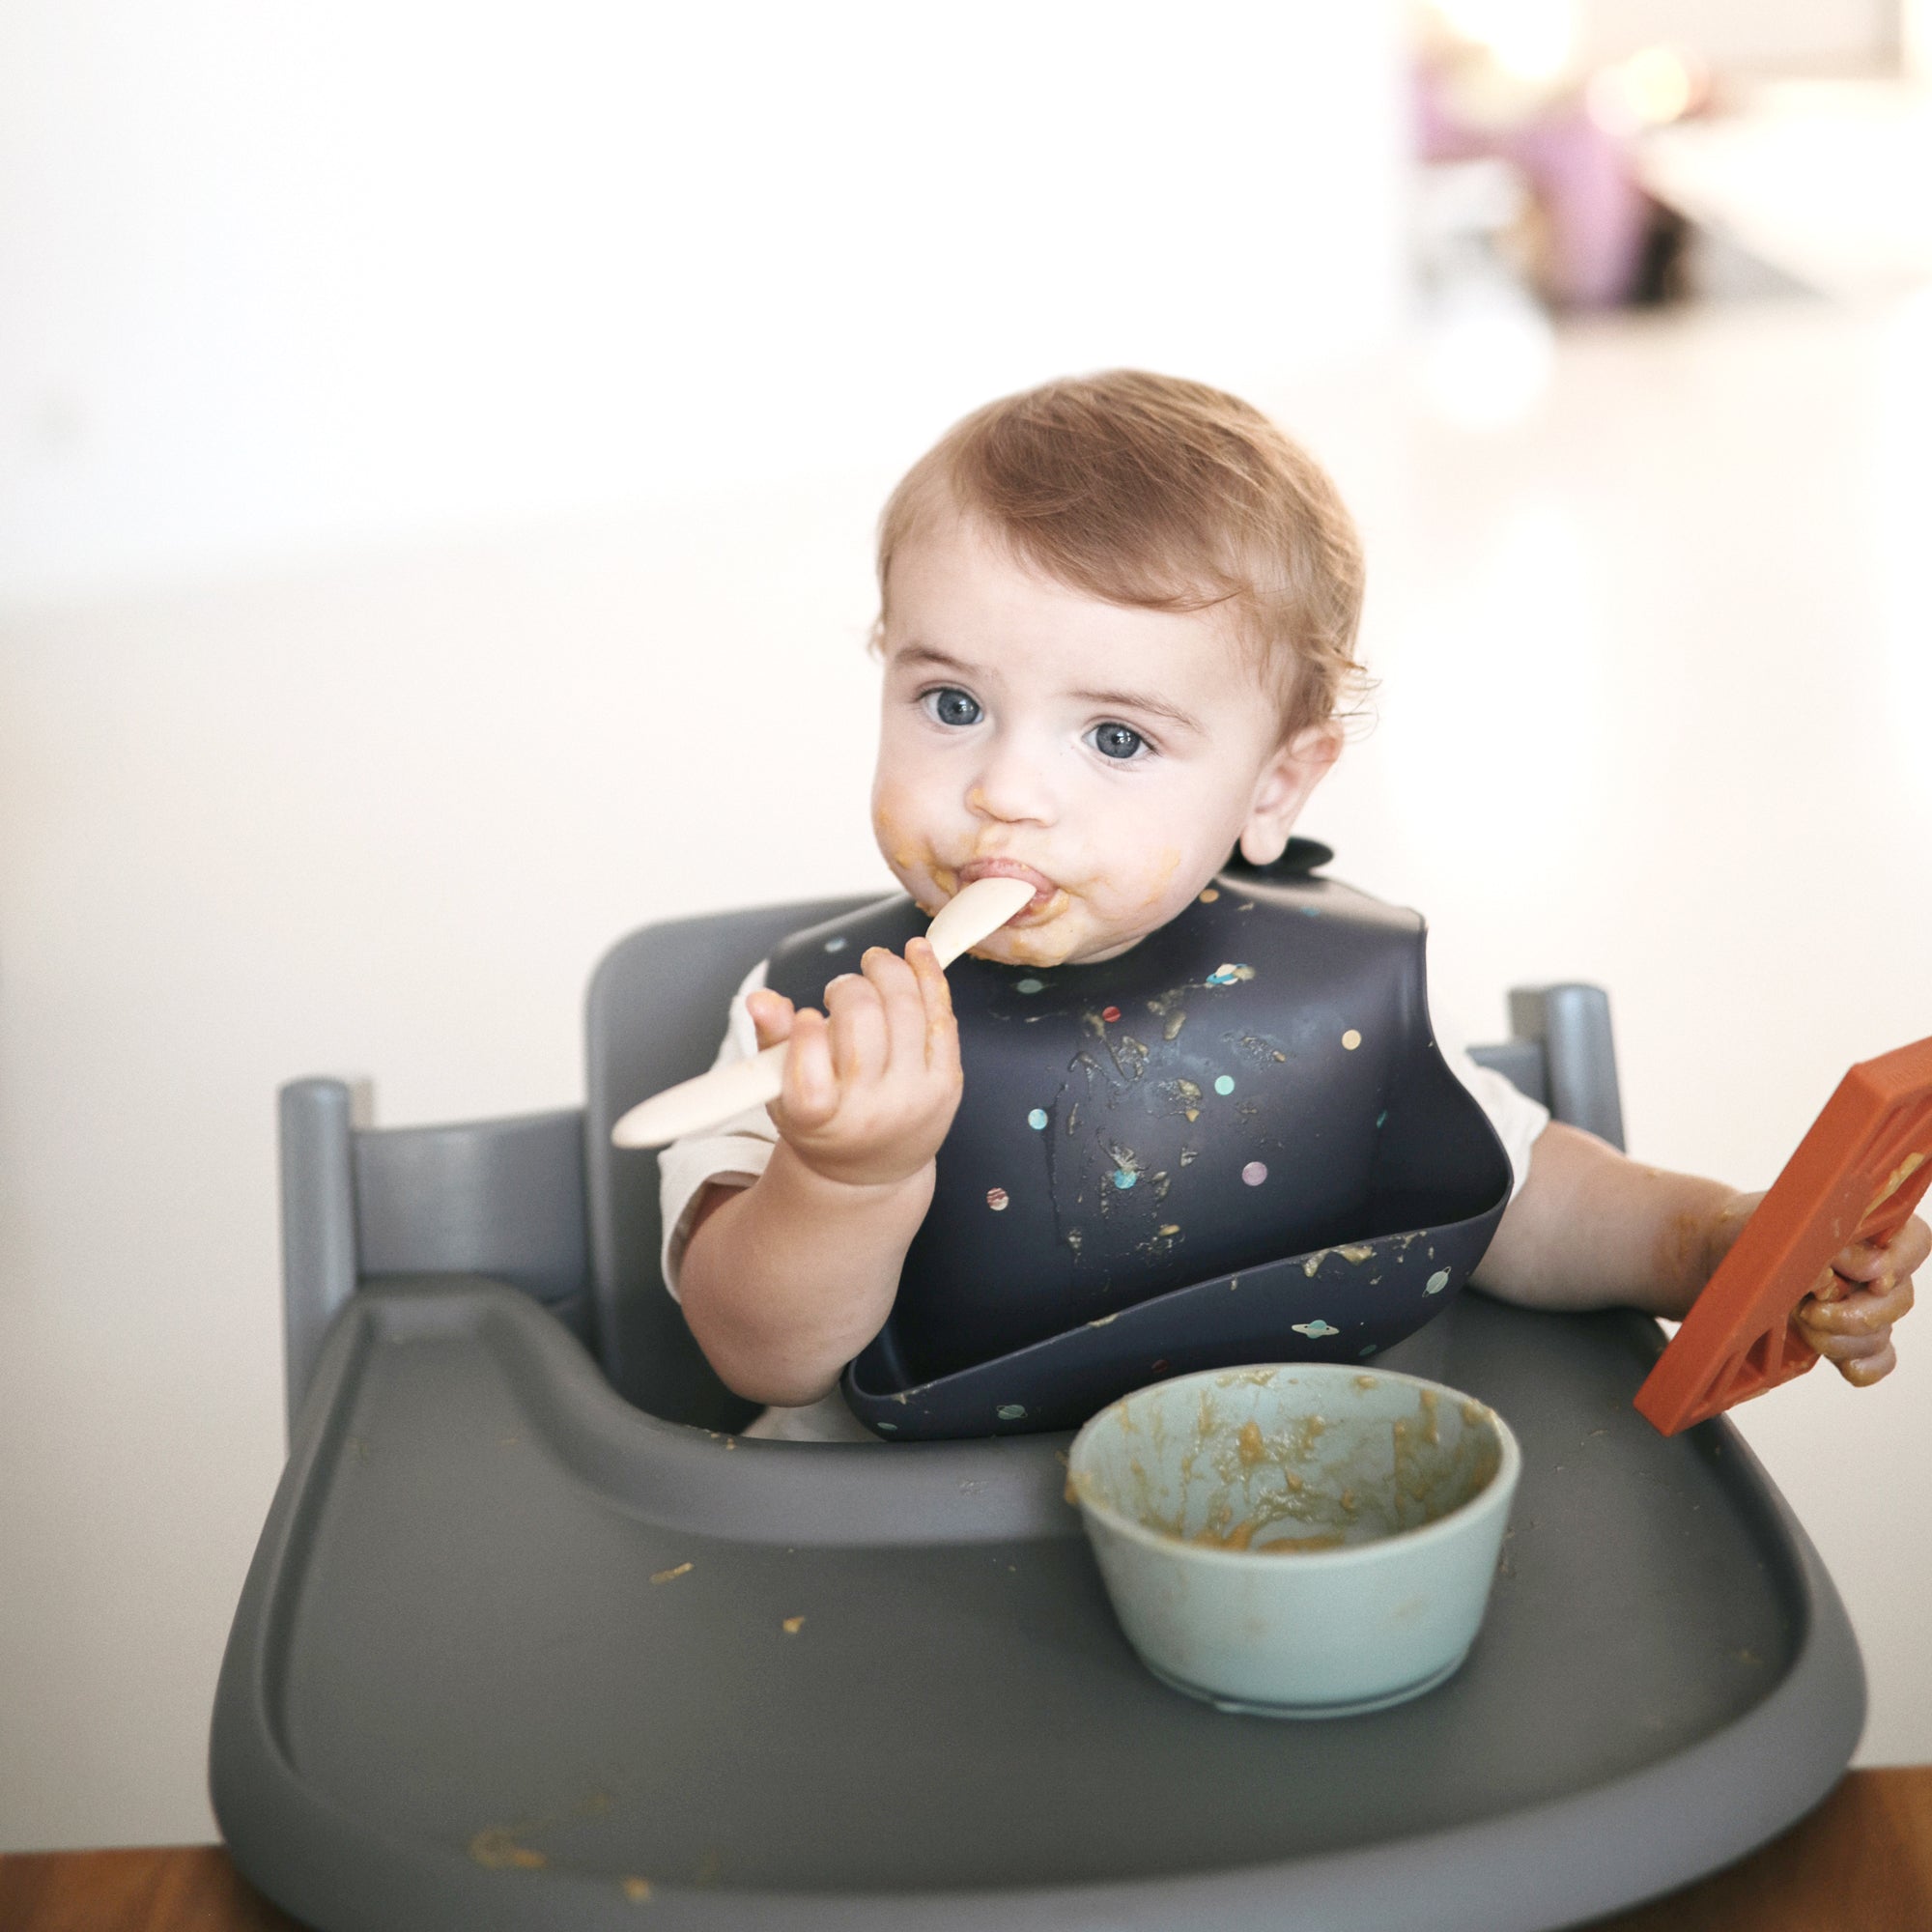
[(1591, 1229), (784, 1282)]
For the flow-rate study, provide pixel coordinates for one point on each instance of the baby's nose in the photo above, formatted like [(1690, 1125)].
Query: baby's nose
[(1012, 789)]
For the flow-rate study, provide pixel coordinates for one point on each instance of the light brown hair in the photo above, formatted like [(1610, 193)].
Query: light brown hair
[(1165, 494)]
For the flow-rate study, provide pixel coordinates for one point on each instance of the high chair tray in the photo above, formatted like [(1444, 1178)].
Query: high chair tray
[(513, 1654)]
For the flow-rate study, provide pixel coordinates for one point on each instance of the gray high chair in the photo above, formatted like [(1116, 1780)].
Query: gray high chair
[(533, 1639)]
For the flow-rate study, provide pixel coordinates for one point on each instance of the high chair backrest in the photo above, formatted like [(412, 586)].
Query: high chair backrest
[(545, 1203), (1561, 1052)]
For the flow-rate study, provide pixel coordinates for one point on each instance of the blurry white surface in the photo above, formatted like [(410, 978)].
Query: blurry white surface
[(1812, 36), (1485, 344), (1548, 40), (281, 277), (1533, 40), (1658, 677), (1828, 182), (1485, 352)]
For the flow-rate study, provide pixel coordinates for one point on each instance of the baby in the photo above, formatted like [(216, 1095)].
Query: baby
[(1116, 621)]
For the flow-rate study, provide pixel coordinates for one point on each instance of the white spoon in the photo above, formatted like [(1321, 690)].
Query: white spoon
[(975, 913)]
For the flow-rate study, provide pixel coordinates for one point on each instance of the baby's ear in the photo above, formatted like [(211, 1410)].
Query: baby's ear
[(1298, 765)]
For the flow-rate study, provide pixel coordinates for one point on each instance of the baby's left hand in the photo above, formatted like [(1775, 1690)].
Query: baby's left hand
[(1849, 1314)]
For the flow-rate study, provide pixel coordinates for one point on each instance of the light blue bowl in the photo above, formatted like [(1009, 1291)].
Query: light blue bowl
[(1297, 1540)]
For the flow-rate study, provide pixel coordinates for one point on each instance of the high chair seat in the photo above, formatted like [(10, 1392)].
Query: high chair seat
[(533, 1639)]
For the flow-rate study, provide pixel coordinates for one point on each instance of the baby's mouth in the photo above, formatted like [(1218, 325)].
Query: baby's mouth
[(1045, 893)]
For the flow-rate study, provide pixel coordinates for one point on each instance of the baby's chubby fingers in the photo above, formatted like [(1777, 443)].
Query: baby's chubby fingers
[(935, 992), (1896, 1258), (1862, 1359), (1853, 1331), (771, 1014), (899, 1003), (810, 1096), (1867, 1288), (1869, 1368), (860, 1041), (862, 1102), (1857, 1312), (1911, 1247), (810, 1091)]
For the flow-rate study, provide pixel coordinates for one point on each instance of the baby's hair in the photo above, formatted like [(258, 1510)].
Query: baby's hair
[(1164, 495)]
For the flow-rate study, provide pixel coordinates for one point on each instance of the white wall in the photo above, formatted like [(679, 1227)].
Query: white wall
[(1747, 35), (438, 453), (282, 276)]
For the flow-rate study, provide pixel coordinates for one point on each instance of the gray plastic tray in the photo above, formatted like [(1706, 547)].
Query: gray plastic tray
[(472, 1682)]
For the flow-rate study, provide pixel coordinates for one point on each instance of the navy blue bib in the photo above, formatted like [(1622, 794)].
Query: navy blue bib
[(1218, 1099)]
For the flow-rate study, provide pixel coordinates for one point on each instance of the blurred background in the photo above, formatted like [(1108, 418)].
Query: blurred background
[(439, 449)]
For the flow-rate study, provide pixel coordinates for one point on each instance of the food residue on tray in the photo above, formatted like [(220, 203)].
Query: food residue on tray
[(791, 1626), (496, 1848), (670, 1575)]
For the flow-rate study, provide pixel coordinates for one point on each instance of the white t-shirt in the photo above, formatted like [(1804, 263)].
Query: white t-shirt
[(735, 1155)]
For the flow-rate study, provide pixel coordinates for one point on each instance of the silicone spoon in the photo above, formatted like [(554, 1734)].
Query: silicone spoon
[(972, 914)]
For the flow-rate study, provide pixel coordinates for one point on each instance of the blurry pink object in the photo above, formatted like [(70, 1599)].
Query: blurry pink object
[(1582, 180)]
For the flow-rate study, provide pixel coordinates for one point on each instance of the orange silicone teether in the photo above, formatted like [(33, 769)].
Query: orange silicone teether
[(1856, 1175)]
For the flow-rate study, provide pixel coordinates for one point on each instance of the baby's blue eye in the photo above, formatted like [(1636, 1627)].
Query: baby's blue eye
[(1116, 741), (952, 706)]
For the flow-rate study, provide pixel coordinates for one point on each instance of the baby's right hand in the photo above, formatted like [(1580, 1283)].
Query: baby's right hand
[(872, 1084)]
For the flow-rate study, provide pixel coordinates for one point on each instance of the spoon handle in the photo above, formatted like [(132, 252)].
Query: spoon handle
[(707, 1101)]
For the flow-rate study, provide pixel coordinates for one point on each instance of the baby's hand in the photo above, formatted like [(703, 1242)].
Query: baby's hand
[(872, 1084), (1849, 1314)]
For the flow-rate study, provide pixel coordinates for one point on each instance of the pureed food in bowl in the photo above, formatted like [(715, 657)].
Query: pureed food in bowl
[(1301, 1539)]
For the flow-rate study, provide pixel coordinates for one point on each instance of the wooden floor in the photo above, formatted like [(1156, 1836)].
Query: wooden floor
[(180, 1889), (1861, 1862)]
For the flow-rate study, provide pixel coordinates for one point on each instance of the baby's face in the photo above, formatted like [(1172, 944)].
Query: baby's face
[(1113, 757)]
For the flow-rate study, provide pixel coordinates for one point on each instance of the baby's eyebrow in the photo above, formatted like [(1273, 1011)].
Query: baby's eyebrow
[(927, 654), (1140, 701)]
